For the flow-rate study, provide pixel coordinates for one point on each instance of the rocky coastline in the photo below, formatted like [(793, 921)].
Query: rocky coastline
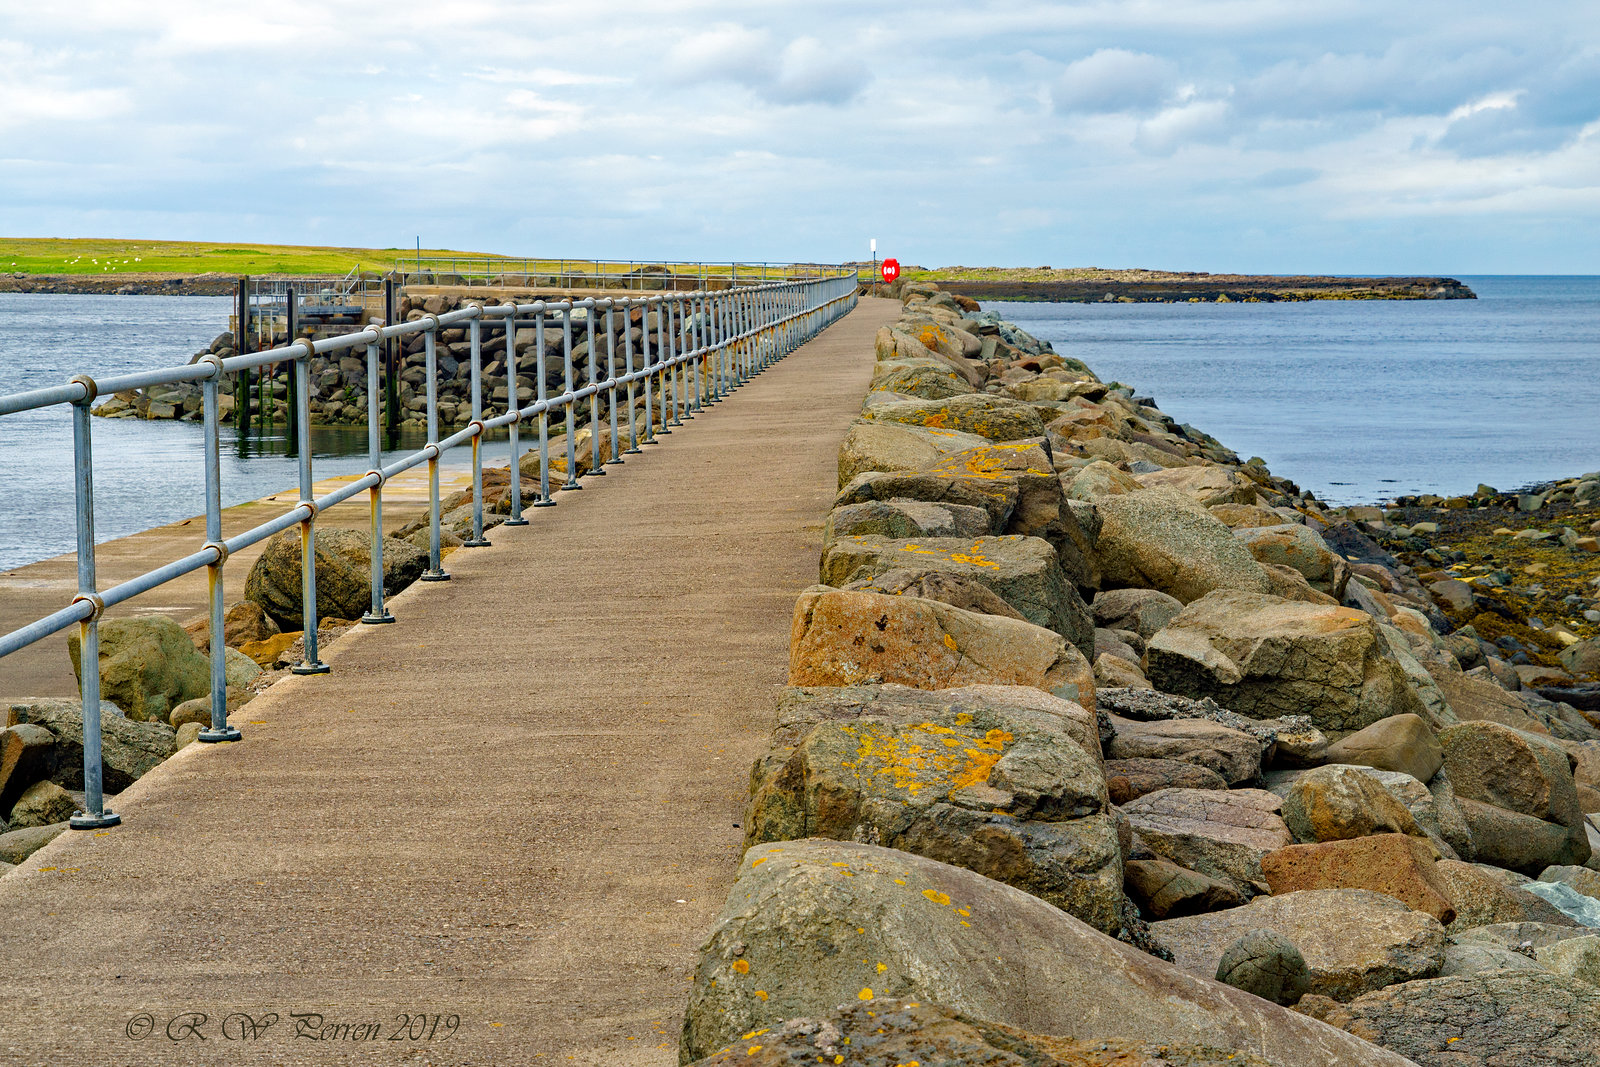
[(1131, 287), (123, 284), (1101, 745)]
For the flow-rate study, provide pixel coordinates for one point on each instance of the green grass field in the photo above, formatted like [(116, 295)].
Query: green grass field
[(109, 256)]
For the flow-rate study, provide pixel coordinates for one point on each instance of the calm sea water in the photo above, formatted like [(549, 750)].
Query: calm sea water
[(1361, 401), (1356, 401), (145, 473)]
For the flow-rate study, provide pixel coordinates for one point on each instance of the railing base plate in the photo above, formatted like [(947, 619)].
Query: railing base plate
[(484, 542), (213, 736), (434, 576), (84, 821), (375, 620), (311, 668)]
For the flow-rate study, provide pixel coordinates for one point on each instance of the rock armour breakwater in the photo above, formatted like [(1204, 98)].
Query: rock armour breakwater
[(339, 383), (1096, 732), (127, 284), (1158, 287)]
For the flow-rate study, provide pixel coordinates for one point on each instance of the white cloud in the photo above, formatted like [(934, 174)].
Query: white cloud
[(1115, 79), (703, 128)]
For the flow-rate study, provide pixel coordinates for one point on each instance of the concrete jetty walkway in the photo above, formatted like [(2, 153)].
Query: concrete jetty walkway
[(498, 831)]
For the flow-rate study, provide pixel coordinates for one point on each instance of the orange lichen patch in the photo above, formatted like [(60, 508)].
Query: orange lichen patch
[(865, 994), (741, 966), (950, 643), (989, 462), (938, 420), (920, 755), (937, 897), (972, 557)]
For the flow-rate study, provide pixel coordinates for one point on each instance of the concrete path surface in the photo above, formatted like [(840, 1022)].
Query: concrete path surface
[(499, 830)]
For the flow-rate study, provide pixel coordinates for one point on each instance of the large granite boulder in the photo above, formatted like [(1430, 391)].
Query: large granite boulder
[(1023, 571), (924, 378), (995, 418), (1435, 810), (344, 575), (852, 638), (1220, 833), (812, 924), (18, 845), (890, 446), (898, 1033), (1484, 899), (1575, 957), (1353, 940), (1471, 959), (1232, 754), (1005, 790), (996, 497), (1396, 864), (27, 755), (1582, 879), (1287, 741), (957, 590), (1158, 539), (1164, 890), (1262, 656), (1301, 549), (1520, 936), (1336, 803), (1129, 779), (1403, 743), (905, 518), (1490, 1019), (1266, 964), (1143, 611), (128, 748), (899, 344), (147, 665), (1042, 509), (1518, 795), (1205, 485)]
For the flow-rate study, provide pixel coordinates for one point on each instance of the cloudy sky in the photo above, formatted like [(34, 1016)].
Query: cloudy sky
[(1254, 135)]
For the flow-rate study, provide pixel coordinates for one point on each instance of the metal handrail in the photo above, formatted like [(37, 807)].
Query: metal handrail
[(710, 343)]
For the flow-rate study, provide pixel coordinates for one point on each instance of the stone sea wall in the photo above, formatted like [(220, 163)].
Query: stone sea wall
[(339, 381), (1103, 746)]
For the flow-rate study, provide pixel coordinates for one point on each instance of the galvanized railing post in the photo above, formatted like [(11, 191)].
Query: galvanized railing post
[(569, 403), (645, 365), (514, 428), (95, 814), (543, 390), (611, 376), (680, 381), (310, 662), (686, 324), (219, 730), (475, 339), (435, 571), (663, 361), (378, 613), (719, 327), (596, 464), (627, 349)]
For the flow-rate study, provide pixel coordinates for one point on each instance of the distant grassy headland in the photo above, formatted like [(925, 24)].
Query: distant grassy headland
[(97, 255), (1100, 285)]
